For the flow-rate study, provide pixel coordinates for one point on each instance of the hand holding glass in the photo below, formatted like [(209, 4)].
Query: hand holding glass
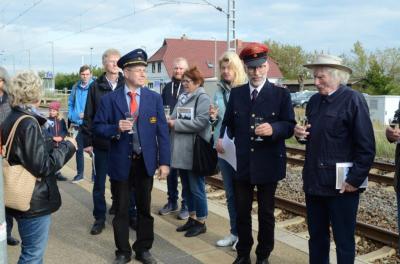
[(131, 118), (257, 122), (167, 111), (213, 112), (303, 122)]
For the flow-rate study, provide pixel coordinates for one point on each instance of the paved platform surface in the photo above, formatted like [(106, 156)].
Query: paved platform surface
[(71, 242)]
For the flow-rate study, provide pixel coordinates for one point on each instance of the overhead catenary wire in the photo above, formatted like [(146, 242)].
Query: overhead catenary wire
[(22, 13)]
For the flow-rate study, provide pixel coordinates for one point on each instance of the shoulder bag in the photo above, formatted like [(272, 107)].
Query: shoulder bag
[(205, 157), (18, 182)]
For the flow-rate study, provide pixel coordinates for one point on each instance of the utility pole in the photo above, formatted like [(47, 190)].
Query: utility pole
[(91, 58), (52, 64), (29, 58), (231, 27)]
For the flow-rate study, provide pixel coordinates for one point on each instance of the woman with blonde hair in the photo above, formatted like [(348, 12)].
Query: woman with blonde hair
[(34, 151), (232, 74)]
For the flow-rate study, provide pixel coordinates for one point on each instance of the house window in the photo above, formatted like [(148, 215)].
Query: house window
[(153, 67), (159, 67)]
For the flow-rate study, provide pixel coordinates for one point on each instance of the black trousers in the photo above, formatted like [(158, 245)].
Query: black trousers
[(142, 184), (266, 220)]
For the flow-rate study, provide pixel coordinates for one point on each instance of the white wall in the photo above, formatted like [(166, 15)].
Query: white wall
[(382, 107), (157, 78)]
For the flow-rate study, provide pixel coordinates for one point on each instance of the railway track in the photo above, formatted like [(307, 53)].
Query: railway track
[(377, 174), (377, 234)]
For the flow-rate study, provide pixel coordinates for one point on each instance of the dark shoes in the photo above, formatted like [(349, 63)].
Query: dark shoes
[(242, 260), (168, 208), (145, 257), (122, 259), (98, 227), (189, 223), (133, 223), (11, 241), (262, 261), (60, 177), (197, 229)]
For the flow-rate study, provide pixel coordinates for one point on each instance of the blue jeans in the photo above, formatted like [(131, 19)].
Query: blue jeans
[(228, 173), (34, 233), (339, 211), (99, 185), (194, 189), (9, 221), (172, 184), (79, 155)]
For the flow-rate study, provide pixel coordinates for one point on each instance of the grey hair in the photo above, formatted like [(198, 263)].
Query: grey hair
[(108, 53), (25, 89), (337, 74), (181, 59), (5, 77)]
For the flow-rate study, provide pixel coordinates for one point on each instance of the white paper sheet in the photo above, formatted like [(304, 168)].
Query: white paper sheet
[(230, 151)]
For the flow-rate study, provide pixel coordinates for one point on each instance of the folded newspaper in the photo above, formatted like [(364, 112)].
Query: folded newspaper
[(342, 170)]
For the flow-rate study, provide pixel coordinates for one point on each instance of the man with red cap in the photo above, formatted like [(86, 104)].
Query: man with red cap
[(260, 117)]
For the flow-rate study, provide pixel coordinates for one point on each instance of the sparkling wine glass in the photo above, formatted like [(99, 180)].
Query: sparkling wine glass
[(167, 111), (303, 123), (131, 118)]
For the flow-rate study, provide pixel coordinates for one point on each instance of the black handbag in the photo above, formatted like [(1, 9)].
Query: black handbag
[(205, 157)]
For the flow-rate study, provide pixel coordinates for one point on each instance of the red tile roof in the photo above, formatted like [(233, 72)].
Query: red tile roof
[(200, 53)]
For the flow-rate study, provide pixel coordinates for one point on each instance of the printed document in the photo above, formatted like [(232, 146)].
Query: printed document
[(342, 170)]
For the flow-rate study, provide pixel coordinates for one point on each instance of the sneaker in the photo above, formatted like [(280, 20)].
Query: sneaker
[(168, 208), (77, 178), (234, 245), (183, 213), (227, 241), (60, 177), (189, 223), (197, 229)]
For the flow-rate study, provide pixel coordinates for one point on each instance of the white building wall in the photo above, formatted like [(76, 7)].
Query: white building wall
[(157, 78), (382, 107)]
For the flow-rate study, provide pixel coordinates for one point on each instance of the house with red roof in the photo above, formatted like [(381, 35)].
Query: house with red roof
[(201, 53)]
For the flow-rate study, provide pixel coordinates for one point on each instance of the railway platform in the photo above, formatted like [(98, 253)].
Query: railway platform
[(71, 242)]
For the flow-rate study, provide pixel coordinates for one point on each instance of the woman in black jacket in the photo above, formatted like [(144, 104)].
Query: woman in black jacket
[(35, 152)]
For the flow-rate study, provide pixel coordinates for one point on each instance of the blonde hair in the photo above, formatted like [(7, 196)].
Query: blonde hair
[(25, 89), (108, 53), (236, 65)]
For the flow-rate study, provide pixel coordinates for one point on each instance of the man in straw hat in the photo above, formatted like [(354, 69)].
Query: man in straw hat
[(339, 130)]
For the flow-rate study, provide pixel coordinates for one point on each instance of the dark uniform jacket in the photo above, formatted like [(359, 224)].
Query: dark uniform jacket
[(98, 88), (260, 162), (341, 131), (33, 150), (171, 92)]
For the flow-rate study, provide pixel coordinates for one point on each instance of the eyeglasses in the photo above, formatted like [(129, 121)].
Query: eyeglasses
[(186, 81)]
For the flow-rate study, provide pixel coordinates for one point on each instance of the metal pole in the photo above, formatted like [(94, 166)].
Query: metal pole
[(3, 224), (228, 41), (215, 57), (52, 64), (29, 58)]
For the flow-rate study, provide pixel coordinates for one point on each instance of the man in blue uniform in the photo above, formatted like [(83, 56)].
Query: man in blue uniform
[(137, 148), (339, 131), (260, 150)]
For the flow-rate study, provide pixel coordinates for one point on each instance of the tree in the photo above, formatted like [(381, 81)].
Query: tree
[(290, 58), (67, 80), (377, 82), (359, 61)]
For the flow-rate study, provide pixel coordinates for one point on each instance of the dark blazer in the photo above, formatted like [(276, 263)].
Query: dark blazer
[(152, 128), (260, 162)]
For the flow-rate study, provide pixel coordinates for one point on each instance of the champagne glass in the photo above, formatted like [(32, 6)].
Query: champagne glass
[(303, 123), (214, 111), (167, 111), (130, 117), (257, 122)]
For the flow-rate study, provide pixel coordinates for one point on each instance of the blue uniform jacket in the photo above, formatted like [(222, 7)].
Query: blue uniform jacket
[(152, 128), (260, 162), (341, 131)]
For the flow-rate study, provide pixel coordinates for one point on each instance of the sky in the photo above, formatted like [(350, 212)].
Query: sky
[(78, 32)]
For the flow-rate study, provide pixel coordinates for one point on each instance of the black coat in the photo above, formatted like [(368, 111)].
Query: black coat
[(171, 92), (341, 131), (260, 162), (34, 150), (98, 88)]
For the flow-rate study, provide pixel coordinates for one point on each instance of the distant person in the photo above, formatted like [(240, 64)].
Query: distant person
[(57, 129), (137, 148), (36, 154), (183, 132), (5, 110), (231, 74), (260, 149), (106, 83), (170, 94), (76, 108), (339, 130), (393, 136)]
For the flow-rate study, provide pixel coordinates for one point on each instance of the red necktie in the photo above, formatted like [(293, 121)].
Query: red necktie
[(133, 105)]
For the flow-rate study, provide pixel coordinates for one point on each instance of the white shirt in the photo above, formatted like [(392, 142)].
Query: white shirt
[(252, 88)]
